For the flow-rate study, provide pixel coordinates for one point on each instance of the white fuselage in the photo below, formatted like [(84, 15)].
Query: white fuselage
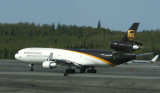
[(39, 55)]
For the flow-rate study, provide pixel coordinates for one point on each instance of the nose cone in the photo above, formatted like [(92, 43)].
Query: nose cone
[(16, 56)]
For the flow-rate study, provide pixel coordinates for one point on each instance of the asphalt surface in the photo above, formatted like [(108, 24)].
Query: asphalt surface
[(15, 77)]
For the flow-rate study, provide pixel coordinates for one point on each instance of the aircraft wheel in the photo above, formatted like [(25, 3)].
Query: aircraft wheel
[(68, 70), (91, 71), (31, 69), (94, 71), (73, 70)]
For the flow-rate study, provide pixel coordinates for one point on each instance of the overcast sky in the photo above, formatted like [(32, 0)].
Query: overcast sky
[(113, 14)]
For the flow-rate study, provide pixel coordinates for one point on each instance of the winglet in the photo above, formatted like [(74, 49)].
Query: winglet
[(155, 58)]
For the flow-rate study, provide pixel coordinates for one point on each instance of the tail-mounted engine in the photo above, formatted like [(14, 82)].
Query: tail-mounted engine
[(125, 46), (49, 64)]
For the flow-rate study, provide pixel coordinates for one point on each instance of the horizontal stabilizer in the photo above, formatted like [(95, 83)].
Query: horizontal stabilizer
[(144, 54), (155, 58)]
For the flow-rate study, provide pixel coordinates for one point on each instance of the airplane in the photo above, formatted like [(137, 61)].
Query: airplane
[(83, 59), (144, 61)]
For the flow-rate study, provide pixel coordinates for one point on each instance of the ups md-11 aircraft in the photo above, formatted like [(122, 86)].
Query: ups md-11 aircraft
[(83, 59)]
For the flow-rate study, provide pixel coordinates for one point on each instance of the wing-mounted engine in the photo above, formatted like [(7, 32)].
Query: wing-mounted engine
[(125, 46), (49, 64)]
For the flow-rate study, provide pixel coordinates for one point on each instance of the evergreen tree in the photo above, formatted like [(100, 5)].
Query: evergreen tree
[(14, 37), (99, 24), (52, 28), (12, 33)]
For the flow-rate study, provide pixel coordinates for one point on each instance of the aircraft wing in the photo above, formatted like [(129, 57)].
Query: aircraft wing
[(75, 62)]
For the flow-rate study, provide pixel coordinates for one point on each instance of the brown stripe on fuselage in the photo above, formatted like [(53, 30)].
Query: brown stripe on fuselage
[(91, 56)]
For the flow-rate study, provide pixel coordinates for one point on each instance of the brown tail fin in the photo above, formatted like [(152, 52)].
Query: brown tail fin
[(130, 34)]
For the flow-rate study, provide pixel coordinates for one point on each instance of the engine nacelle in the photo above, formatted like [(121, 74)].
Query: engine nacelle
[(136, 47), (49, 64), (123, 46)]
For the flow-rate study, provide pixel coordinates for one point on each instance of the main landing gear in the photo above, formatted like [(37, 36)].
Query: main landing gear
[(70, 70), (82, 70), (31, 67), (91, 70)]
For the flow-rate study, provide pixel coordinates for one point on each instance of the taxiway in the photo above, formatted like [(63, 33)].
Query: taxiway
[(15, 77)]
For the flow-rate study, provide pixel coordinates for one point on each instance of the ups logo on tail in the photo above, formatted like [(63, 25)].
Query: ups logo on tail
[(130, 34)]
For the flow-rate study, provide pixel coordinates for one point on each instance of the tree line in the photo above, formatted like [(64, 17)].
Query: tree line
[(14, 37)]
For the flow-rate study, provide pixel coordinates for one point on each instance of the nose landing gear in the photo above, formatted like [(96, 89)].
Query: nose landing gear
[(31, 67)]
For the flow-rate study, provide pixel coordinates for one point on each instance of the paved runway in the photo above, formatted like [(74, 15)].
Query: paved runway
[(15, 77)]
